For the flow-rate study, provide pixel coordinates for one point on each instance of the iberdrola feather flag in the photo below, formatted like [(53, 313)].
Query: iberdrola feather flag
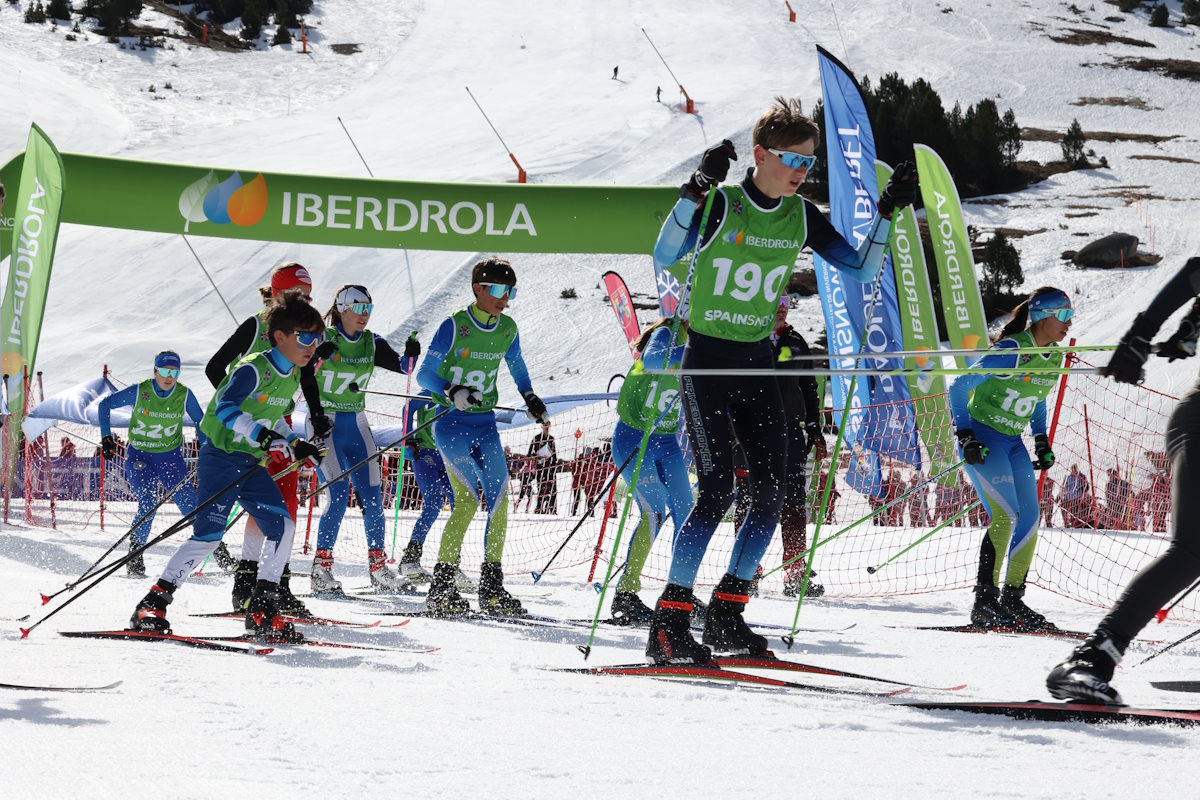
[(35, 210)]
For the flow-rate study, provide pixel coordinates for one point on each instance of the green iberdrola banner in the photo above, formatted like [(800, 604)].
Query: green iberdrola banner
[(358, 212), (961, 303), (919, 328), (34, 212)]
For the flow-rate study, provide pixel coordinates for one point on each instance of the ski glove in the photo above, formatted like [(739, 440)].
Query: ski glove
[(714, 168), (325, 350), (1125, 366), (535, 408), (412, 347), (901, 189), (973, 450), (108, 447), (271, 441), (307, 452), (464, 398), (1182, 343), (322, 426), (1044, 455)]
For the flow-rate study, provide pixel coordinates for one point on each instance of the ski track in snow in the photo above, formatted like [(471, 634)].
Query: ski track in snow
[(479, 716)]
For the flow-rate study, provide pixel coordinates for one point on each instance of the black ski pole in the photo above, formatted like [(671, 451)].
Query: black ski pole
[(87, 573), (1171, 646), (186, 520), (537, 576), (354, 387), (1162, 615)]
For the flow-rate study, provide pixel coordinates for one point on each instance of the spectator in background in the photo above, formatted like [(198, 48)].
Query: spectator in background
[(918, 501), (543, 448), (1046, 501)]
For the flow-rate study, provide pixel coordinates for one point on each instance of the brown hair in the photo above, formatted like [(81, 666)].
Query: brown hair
[(1019, 320), (289, 311), (784, 124), (644, 337)]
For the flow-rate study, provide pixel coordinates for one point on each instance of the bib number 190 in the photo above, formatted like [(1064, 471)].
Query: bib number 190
[(748, 280)]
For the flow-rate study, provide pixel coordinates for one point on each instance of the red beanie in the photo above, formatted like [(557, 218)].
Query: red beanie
[(290, 276)]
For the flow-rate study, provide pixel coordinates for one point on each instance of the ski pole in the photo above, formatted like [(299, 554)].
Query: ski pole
[(1162, 615), (922, 485), (1172, 645), (400, 469), (354, 387), (107, 571), (537, 575), (87, 573), (586, 649), (873, 570), (908, 355)]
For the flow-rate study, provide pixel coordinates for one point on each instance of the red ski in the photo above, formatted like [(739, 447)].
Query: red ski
[(151, 636), (1070, 712)]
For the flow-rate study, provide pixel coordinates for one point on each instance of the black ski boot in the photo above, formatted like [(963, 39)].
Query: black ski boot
[(1086, 673), (724, 629), (494, 599), (791, 586), (288, 603), (244, 577), (135, 567), (151, 613), (263, 620), (444, 599), (410, 563), (671, 639), (699, 610), (224, 559), (1024, 617), (628, 609), (987, 611)]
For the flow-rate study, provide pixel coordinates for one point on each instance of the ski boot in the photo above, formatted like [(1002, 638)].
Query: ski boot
[(699, 611), (628, 609), (151, 612), (671, 639), (987, 611), (1086, 673), (135, 567), (755, 582), (288, 603), (1024, 617), (410, 564), (383, 580), (462, 580), (321, 575), (224, 560), (444, 599), (724, 629), (263, 620), (244, 577), (792, 584), (494, 599)]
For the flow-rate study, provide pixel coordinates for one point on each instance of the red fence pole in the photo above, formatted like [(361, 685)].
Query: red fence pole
[(604, 524), (1087, 437), (1062, 389)]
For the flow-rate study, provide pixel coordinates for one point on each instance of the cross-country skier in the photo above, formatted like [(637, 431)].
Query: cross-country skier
[(155, 452), (991, 411), (340, 379), (663, 480), (1088, 671), (243, 422), (249, 338), (747, 251), (430, 472), (460, 371)]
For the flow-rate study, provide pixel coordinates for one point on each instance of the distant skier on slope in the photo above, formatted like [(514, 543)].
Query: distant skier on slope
[(1087, 672), (154, 456)]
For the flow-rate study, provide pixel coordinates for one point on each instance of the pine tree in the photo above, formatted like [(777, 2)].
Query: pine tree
[(1191, 11), (1010, 138), (35, 12), (1128, 5), (1073, 146), (58, 9), (285, 16), (114, 16), (1001, 268), (1159, 17), (253, 17), (282, 36)]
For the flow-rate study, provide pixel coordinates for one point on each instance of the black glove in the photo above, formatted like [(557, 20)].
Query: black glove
[(325, 350), (1041, 449), (322, 425), (412, 347), (714, 168), (1125, 366), (269, 439), (307, 452), (108, 447), (973, 450), (535, 408), (901, 189), (1182, 343), (464, 397)]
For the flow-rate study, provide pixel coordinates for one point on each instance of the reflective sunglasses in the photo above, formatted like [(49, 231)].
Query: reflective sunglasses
[(168, 372), (361, 308), (308, 338), (793, 160), (498, 290), (1061, 314)]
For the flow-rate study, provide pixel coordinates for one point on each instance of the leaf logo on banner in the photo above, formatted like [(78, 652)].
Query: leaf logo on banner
[(191, 200)]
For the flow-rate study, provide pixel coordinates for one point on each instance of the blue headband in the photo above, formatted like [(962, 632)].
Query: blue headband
[(167, 359)]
